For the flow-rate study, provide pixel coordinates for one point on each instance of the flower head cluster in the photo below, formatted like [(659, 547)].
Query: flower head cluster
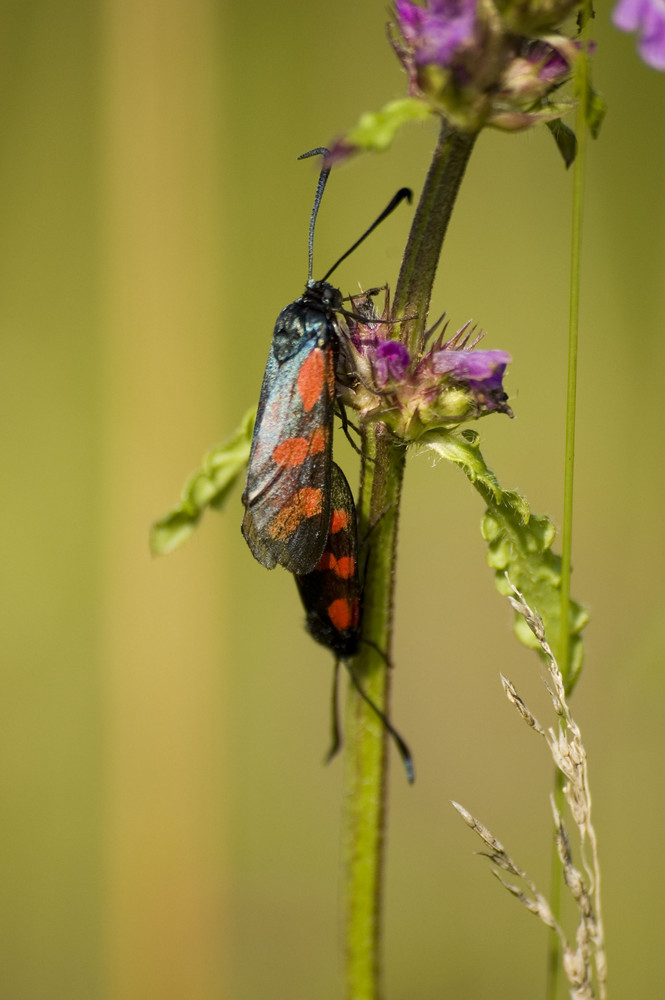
[(486, 62), (449, 385), (648, 18)]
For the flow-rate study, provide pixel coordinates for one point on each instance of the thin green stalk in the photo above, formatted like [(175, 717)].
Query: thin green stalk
[(381, 483), (573, 334), (554, 958)]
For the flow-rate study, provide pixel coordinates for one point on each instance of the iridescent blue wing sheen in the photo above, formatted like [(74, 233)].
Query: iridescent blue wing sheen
[(287, 494)]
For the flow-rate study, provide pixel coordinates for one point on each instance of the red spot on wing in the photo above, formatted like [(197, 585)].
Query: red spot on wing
[(318, 441), (327, 561), (292, 451), (343, 613), (345, 567), (311, 379), (305, 503), (339, 521)]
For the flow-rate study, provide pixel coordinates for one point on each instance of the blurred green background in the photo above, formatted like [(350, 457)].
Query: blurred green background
[(168, 830)]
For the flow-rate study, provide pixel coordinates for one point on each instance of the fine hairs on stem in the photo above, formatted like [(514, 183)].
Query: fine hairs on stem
[(583, 960)]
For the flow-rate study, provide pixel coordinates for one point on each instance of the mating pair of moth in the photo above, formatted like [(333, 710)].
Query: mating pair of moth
[(299, 509)]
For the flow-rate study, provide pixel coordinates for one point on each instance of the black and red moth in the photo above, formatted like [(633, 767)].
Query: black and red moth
[(331, 592), (287, 495), (332, 597)]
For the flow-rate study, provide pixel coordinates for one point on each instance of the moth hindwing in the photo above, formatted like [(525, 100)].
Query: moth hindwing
[(331, 593)]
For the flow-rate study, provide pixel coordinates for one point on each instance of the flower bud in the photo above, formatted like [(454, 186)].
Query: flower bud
[(486, 62), (452, 383)]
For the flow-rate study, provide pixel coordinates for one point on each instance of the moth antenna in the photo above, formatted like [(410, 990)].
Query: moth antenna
[(388, 210), (336, 740), (320, 187)]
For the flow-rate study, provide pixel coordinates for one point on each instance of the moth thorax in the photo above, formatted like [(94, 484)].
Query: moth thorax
[(323, 295)]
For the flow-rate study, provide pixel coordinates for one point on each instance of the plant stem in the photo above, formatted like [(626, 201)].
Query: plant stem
[(571, 396), (382, 473), (414, 286), (581, 87), (366, 750)]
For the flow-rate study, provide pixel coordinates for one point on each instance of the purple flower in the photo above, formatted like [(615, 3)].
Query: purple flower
[(552, 64), (436, 34), (482, 371), (391, 362), (450, 384), (480, 62), (648, 18), (537, 67)]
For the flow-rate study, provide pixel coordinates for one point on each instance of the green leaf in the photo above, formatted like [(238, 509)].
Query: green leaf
[(519, 544), (565, 140), (596, 109), (376, 129), (208, 487)]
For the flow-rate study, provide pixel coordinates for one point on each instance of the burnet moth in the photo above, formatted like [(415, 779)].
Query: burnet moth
[(331, 591), (287, 495), (332, 597)]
